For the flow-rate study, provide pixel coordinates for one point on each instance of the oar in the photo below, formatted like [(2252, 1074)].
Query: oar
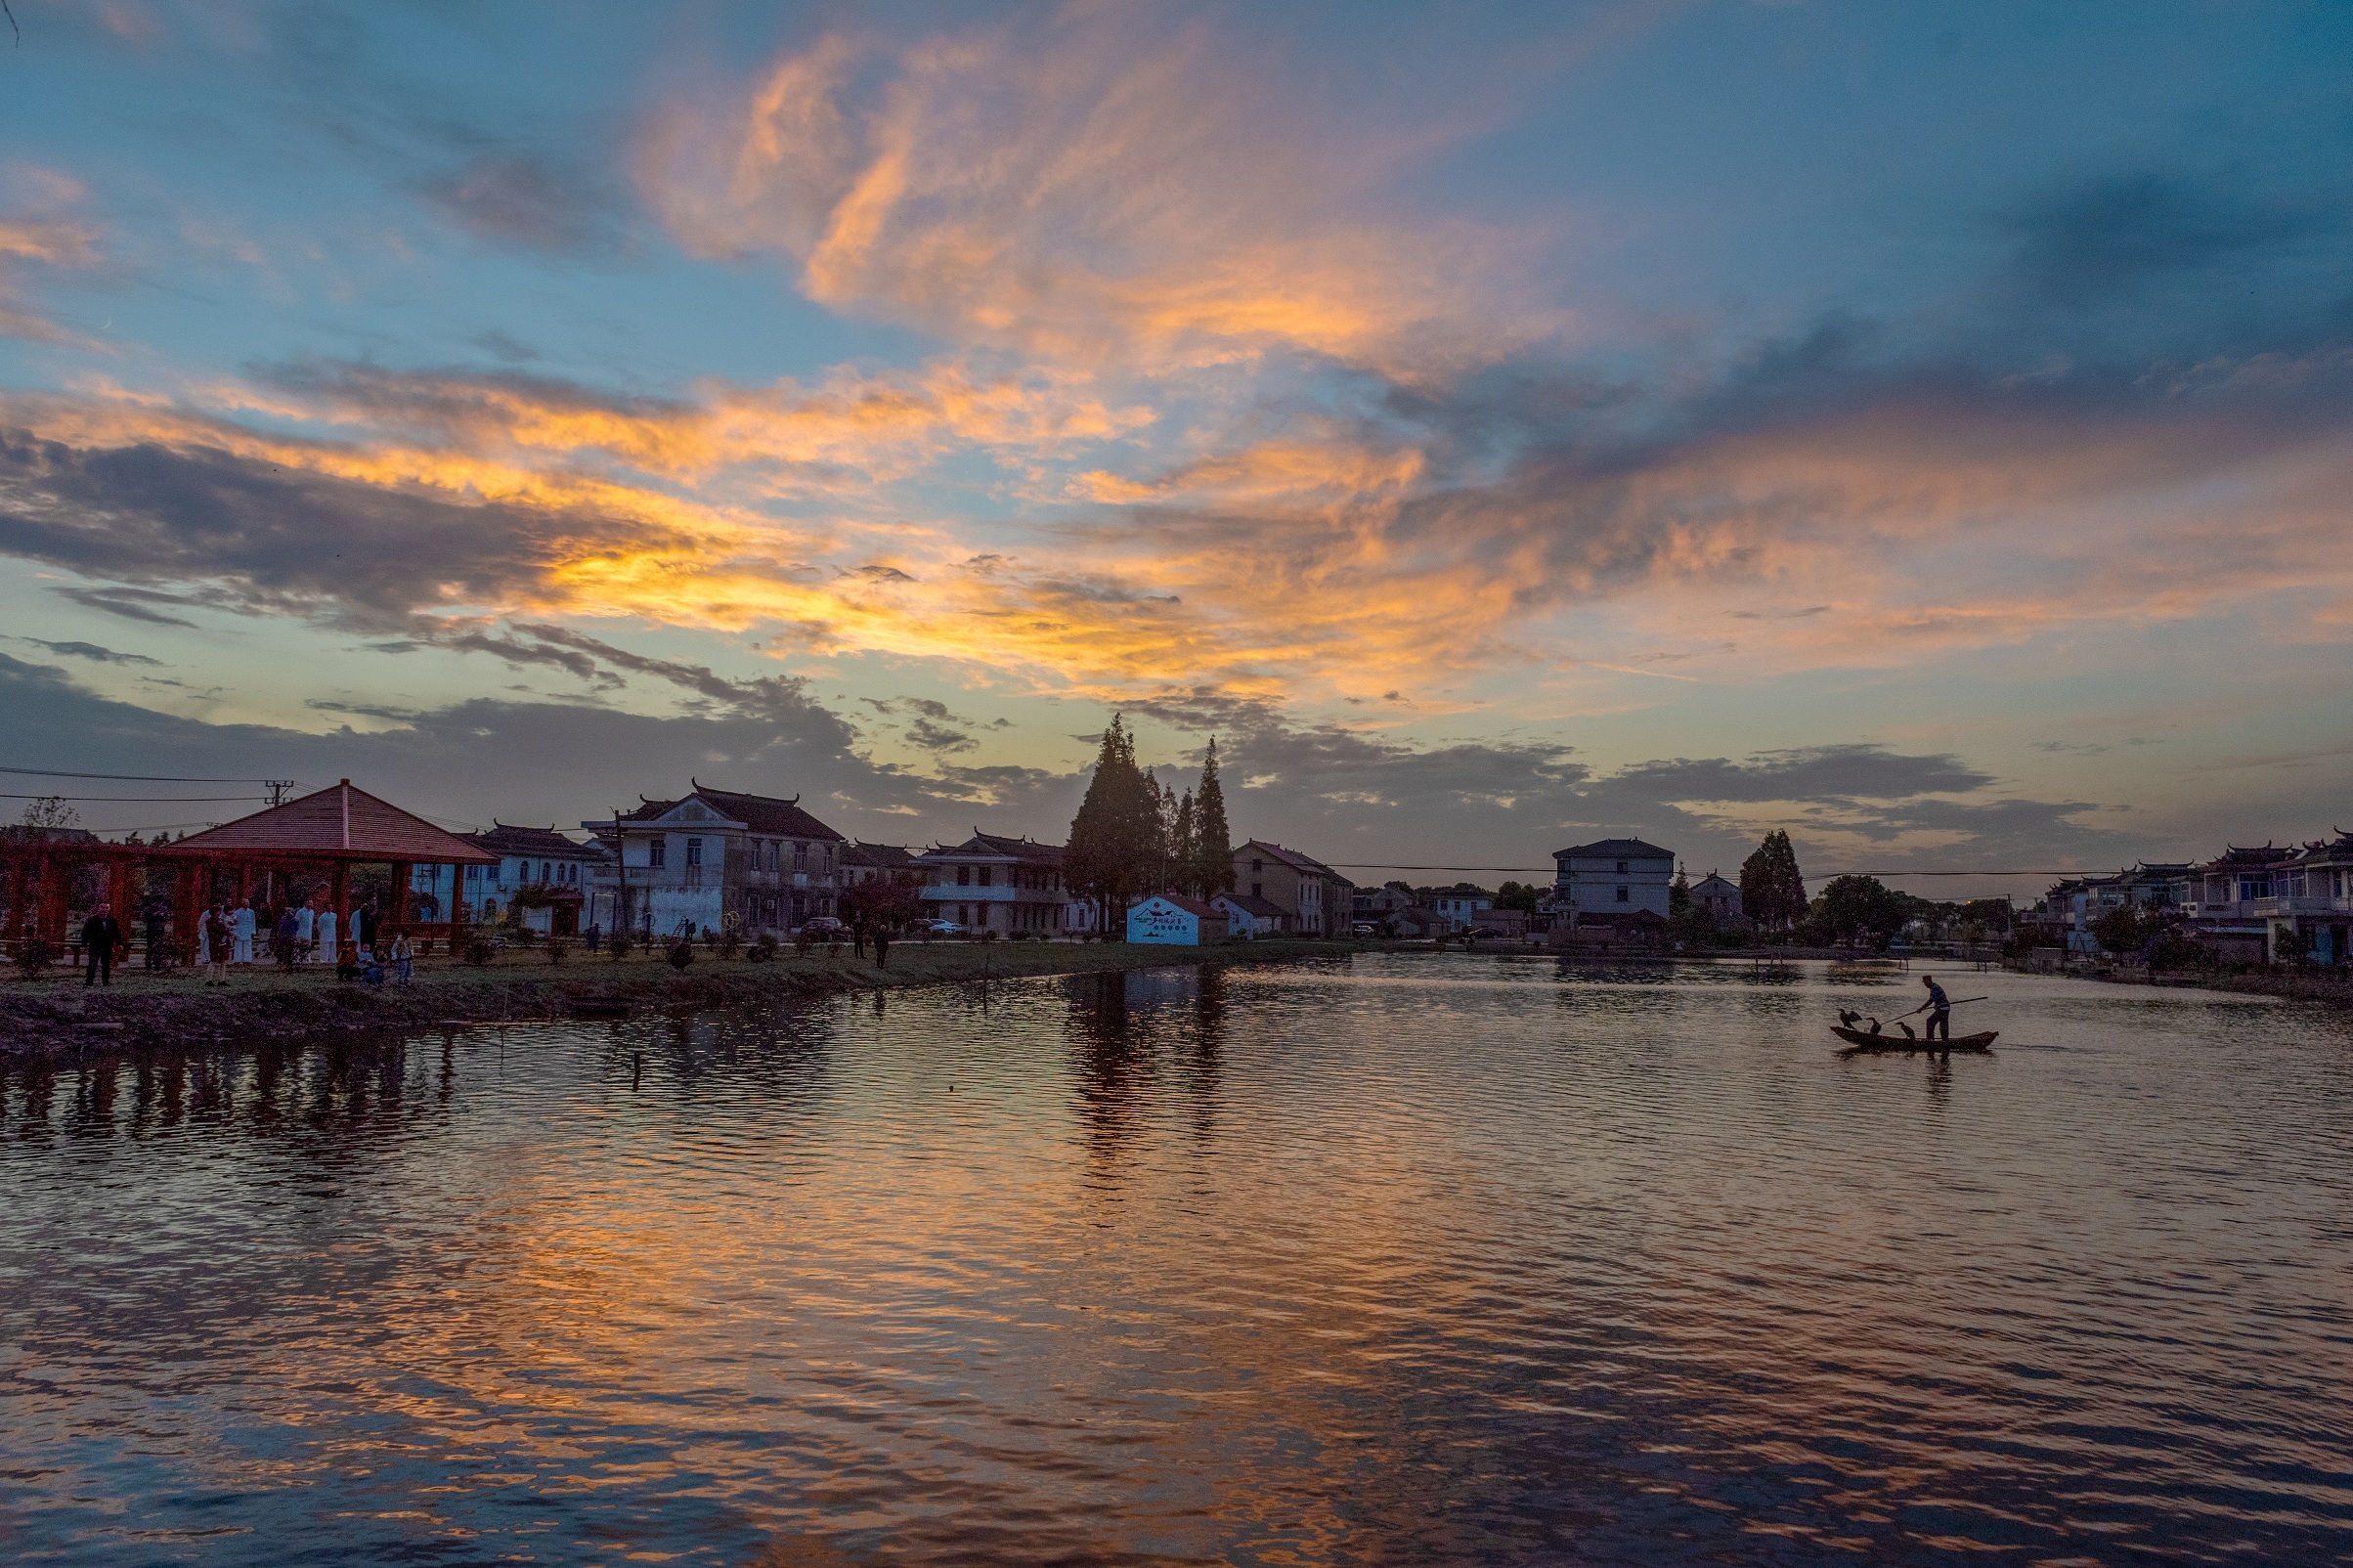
[(1925, 1006)]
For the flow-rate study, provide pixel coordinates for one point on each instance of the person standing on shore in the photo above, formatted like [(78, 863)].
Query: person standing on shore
[(282, 939), (322, 938), (242, 924), (404, 959), (102, 934), (220, 939)]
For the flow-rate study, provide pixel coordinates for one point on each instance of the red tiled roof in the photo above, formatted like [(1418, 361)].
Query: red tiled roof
[(339, 823)]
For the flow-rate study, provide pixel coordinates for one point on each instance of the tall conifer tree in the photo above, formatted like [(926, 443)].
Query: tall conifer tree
[(1212, 839)]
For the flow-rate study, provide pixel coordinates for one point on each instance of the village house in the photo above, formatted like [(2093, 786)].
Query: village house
[(1247, 917), (861, 862), (990, 883), (540, 880), (1720, 896), (720, 860), (1613, 882), (1318, 899), (1462, 906)]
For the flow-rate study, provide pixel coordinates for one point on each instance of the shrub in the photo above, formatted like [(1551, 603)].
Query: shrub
[(618, 944), (479, 952), (764, 947), (682, 953), (556, 949), (34, 956), (729, 943)]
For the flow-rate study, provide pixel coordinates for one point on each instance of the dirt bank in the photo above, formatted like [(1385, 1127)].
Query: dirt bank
[(145, 1011)]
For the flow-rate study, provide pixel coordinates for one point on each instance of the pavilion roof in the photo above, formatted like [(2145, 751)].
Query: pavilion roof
[(339, 823)]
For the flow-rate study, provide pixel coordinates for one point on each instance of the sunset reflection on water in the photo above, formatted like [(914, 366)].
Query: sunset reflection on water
[(1405, 1259)]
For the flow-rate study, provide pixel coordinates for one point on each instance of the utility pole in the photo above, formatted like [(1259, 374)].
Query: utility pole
[(278, 788)]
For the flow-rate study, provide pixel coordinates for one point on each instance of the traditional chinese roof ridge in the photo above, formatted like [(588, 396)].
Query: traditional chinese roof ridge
[(1614, 848), (503, 838), (762, 814), (2235, 854), (1292, 858), (1000, 847), (886, 856), (340, 823), (1715, 876), (767, 813)]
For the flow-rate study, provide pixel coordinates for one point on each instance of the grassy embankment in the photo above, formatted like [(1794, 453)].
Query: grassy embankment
[(176, 1009)]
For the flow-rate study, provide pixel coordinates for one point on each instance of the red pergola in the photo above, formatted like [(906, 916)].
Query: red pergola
[(331, 830)]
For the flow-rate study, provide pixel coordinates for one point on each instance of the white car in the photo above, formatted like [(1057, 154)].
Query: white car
[(944, 928)]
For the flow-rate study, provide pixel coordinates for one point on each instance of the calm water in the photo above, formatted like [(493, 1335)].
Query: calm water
[(1412, 1260)]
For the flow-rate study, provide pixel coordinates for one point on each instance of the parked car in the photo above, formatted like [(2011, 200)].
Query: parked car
[(944, 928), (822, 926)]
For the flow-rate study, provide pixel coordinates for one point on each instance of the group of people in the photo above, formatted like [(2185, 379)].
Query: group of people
[(301, 933)]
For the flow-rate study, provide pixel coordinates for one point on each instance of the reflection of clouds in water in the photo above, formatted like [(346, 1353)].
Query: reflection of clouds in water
[(1318, 1263)]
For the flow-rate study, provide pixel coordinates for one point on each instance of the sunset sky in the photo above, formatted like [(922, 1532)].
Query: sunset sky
[(1922, 428)]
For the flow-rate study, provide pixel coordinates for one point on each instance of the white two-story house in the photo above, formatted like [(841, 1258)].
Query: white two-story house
[(719, 860), (1613, 882)]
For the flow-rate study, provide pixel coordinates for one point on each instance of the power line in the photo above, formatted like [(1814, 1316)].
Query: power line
[(140, 800), (131, 778)]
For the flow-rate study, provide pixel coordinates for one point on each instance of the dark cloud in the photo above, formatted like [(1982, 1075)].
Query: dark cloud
[(1841, 774), (128, 603), (268, 540), (2112, 235), (529, 200), (91, 651), (935, 738)]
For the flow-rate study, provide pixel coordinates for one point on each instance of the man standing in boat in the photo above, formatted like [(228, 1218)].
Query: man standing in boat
[(1938, 1008)]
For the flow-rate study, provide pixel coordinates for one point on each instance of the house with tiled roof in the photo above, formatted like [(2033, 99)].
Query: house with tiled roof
[(716, 859), (992, 882), (540, 879), (1317, 899)]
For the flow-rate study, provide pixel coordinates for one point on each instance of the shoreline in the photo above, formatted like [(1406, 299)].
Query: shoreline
[(144, 1010)]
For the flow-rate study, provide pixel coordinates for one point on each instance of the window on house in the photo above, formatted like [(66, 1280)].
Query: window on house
[(1621, 868), (657, 853), (694, 851), (800, 855), (964, 875), (984, 871), (1257, 865), (1624, 896)]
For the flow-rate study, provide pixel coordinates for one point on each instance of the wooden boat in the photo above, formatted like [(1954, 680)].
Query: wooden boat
[(1857, 1040)]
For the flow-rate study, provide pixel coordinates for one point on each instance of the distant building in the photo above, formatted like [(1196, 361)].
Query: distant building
[(1174, 920), (992, 882), (1720, 896), (860, 862), (1318, 898), (1464, 906), (1247, 917), (1611, 881), (720, 860), (542, 879)]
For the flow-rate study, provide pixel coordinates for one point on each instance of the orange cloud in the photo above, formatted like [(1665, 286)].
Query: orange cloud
[(1083, 191)]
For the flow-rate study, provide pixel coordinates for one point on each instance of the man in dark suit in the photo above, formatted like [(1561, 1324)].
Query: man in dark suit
[(102, 934)]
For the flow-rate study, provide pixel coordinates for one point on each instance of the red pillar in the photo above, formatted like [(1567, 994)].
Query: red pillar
[(402, 873), (57, 882), (341, 904)]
